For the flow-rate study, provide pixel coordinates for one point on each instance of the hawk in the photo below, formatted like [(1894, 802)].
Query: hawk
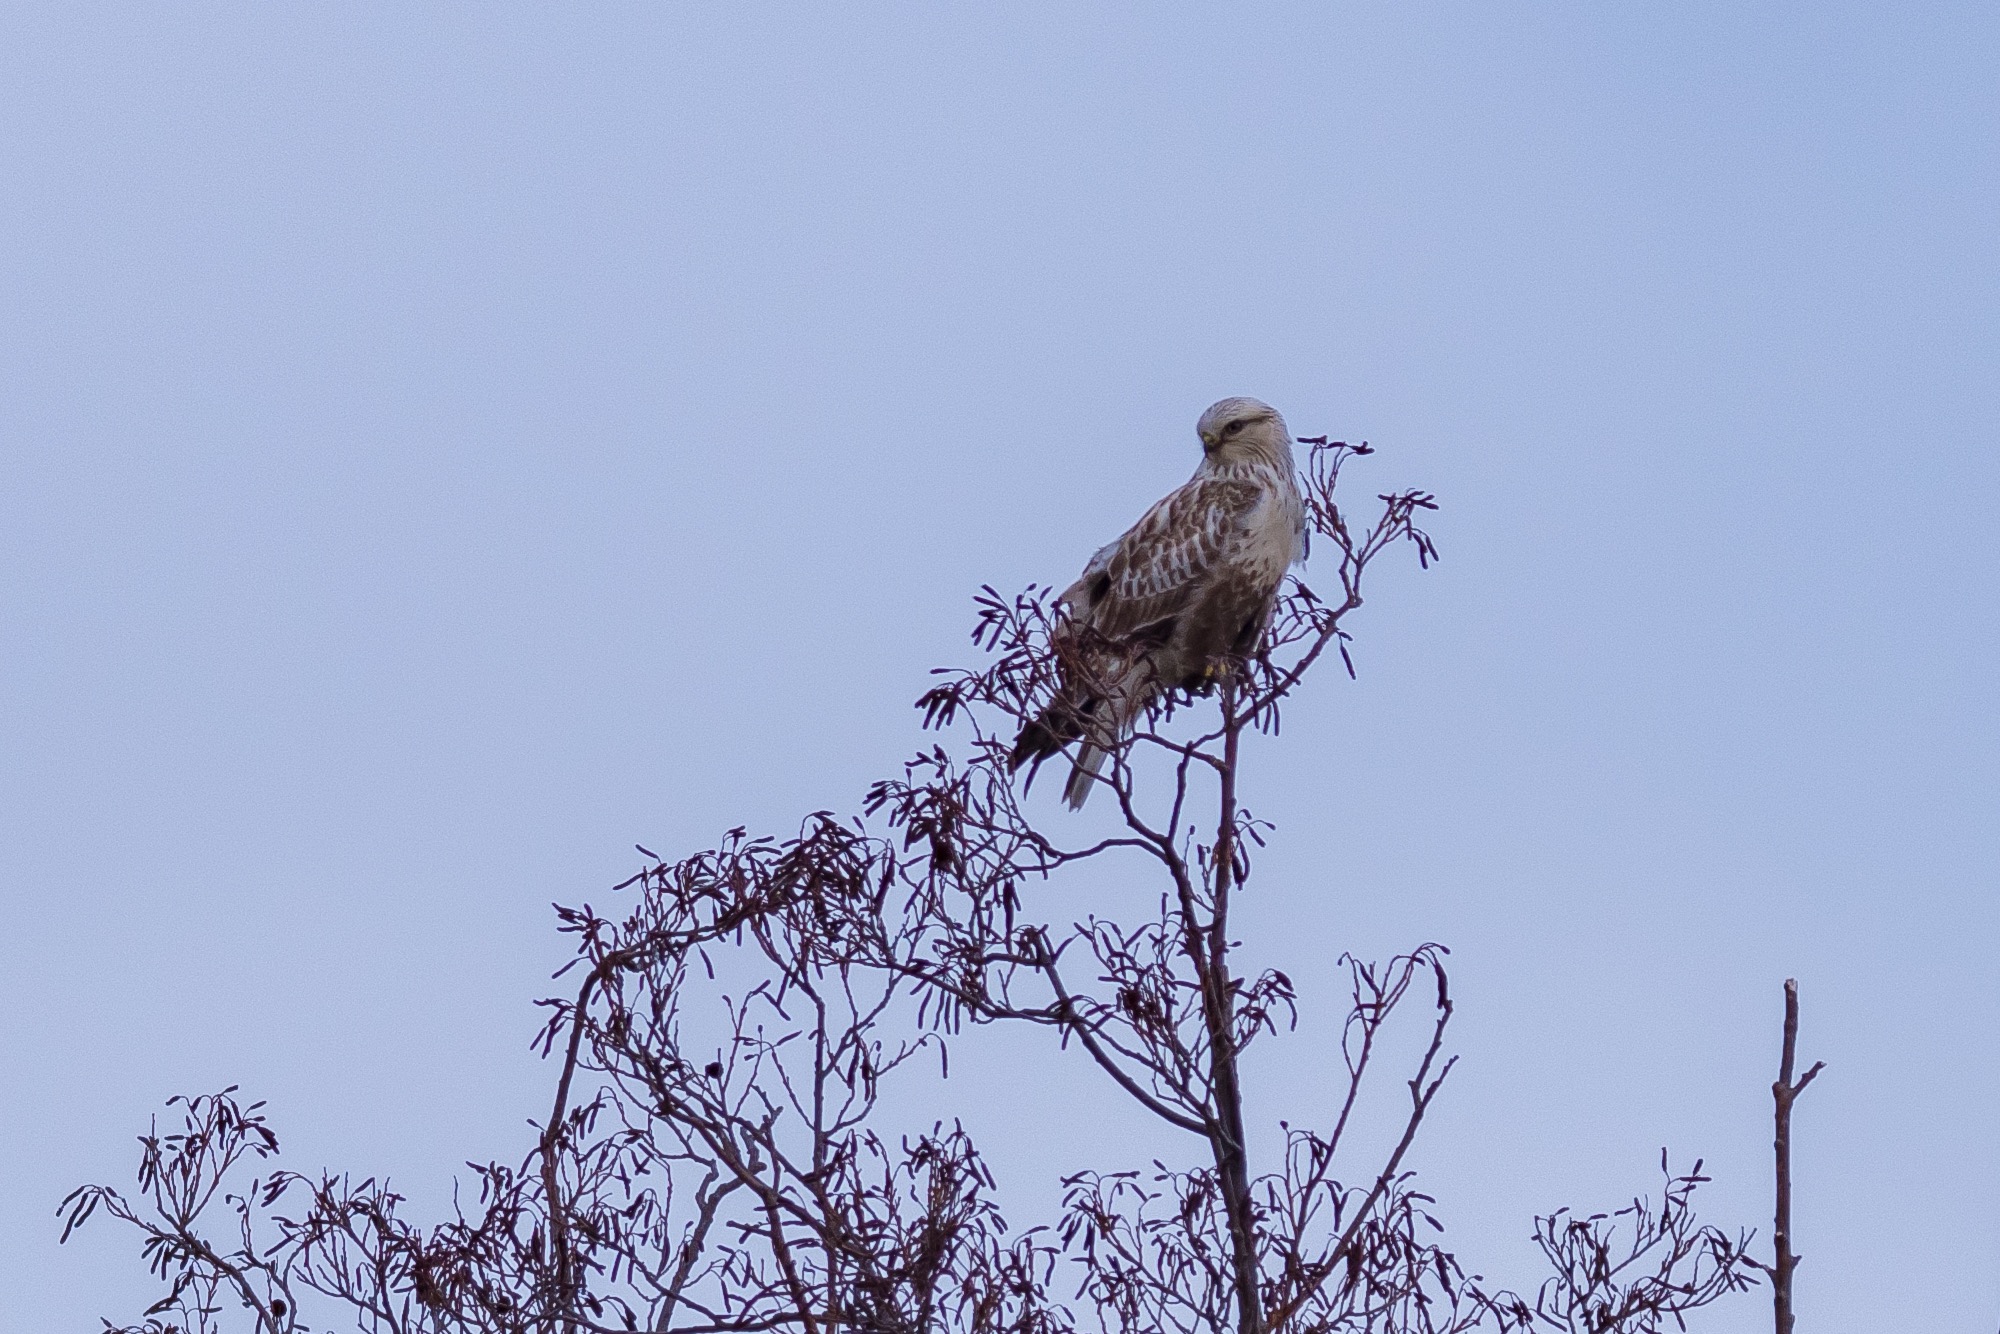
[(1185, 589)]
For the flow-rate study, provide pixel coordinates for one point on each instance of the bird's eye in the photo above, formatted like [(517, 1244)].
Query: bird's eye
[(1232, 428)]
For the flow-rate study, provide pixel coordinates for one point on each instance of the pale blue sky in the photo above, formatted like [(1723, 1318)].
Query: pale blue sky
[(442, 446)]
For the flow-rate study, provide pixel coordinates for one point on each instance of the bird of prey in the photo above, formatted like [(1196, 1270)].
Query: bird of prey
[(1186, 588)]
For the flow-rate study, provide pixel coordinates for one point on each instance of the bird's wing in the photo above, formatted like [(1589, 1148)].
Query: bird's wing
[(1152, 572)]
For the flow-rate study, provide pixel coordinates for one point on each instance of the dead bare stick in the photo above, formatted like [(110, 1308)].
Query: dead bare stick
[(1784, 1093)]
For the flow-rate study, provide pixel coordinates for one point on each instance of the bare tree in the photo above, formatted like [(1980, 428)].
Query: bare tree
[(713, 1159)]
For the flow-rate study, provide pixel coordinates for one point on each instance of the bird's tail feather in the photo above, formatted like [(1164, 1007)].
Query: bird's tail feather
[(1099, 721), (1108, 731), (1090, 758)]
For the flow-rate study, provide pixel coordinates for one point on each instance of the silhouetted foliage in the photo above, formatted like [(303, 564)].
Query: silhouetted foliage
[(712, 1160)]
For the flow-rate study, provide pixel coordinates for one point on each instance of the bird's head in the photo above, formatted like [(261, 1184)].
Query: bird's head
[(1239, 429)]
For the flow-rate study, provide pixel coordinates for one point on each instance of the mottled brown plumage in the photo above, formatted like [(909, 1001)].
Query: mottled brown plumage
[(1184, 589)]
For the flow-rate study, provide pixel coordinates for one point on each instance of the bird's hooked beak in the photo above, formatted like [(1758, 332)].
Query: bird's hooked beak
[(1210, 442)]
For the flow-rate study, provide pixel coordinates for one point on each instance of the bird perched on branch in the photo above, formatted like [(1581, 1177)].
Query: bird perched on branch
[(1185, 589)]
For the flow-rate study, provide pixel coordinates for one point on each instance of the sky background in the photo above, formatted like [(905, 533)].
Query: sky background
[(443, 446)]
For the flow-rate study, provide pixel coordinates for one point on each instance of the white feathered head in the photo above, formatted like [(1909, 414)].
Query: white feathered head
[(1241, 429)]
